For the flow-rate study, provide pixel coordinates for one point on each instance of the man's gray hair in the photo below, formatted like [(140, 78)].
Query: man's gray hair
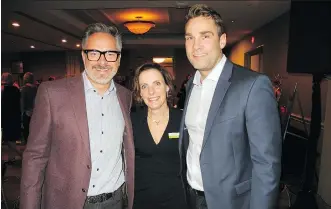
[(102, 28), (7, 79)]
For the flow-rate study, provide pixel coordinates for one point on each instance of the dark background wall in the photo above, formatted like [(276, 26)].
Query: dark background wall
[(274, 37), (42, 64)]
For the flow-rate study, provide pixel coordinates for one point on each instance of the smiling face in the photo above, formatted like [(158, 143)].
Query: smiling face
[(153, 89), (100, 72), (203, 44)]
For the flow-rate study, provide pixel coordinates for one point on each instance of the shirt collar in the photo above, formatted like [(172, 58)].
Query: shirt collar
[(214, 74), (88, 85)]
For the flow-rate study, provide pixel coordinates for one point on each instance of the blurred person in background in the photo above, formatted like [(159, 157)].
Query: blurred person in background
[(51, 78), (16, 84), (28, 95), (10, 112)]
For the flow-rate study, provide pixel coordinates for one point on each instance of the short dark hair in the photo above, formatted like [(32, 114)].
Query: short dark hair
[(51, 78), (102, 28), (202, 10), (149, 66)]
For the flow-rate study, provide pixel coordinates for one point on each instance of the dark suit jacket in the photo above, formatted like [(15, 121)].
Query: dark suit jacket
[(10, 113), (241, 153), (57, 163)]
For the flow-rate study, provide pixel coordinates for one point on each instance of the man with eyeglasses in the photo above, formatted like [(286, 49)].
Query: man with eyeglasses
[(80, 151)]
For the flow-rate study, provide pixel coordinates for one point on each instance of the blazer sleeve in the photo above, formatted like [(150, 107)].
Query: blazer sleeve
[(264, 134), (36, 154), (130, 100)]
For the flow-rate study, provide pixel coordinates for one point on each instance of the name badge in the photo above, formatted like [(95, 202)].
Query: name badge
[(173, 135)]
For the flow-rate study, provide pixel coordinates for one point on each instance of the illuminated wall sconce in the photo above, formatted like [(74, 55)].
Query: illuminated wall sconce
[(158, 59)]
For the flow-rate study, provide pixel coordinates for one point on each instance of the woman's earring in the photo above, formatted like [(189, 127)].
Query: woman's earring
[(167, 94)]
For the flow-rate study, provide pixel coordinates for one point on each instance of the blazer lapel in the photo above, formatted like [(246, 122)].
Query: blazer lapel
[(77, 93), (121, 100), (183, 139), (220, 91)]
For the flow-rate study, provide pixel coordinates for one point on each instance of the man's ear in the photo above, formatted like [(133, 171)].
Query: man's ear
[(119, 59), (83, 57), (223, 40)]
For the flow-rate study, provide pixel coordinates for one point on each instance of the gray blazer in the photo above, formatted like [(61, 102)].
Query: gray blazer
[(241, 153)]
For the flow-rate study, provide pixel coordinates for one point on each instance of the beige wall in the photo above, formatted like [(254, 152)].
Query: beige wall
[(324, 186)]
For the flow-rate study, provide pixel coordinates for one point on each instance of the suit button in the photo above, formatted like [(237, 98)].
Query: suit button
[(83, 190), (88, 166)]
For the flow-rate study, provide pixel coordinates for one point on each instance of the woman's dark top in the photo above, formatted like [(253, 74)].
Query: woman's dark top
[(28, 95), (157, 183)]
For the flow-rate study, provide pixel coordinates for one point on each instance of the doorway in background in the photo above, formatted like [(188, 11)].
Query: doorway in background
[(254, 59)]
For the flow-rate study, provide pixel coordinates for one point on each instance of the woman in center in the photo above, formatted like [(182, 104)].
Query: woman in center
[(156, 134)]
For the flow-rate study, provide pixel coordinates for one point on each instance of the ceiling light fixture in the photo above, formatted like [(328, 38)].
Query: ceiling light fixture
[(64, 41), (77, 45), (139, 27), (158, 59), (32, 47), (15, 24)]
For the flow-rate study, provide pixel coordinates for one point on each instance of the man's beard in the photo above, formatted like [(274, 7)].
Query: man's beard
[(103, 80)]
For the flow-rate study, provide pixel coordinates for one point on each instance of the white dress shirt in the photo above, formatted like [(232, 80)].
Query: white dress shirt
[(196, 118), (106, 127)]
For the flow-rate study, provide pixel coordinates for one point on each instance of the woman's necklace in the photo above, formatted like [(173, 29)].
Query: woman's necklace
[(157, 122)]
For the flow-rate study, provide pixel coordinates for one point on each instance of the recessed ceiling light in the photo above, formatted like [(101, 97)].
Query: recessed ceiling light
[(32, 47), (64, 41), (232, 21), (77, 45), (15, 24)]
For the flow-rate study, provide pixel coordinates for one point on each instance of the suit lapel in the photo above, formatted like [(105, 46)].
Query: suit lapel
[(220, 91), (182, 139), (121, 100), (77, 93)]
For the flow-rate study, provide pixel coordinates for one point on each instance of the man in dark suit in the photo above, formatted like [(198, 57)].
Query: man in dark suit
[(80, 152), (230, 141)]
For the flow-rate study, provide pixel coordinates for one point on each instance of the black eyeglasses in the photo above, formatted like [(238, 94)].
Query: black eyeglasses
[(94, 55)]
